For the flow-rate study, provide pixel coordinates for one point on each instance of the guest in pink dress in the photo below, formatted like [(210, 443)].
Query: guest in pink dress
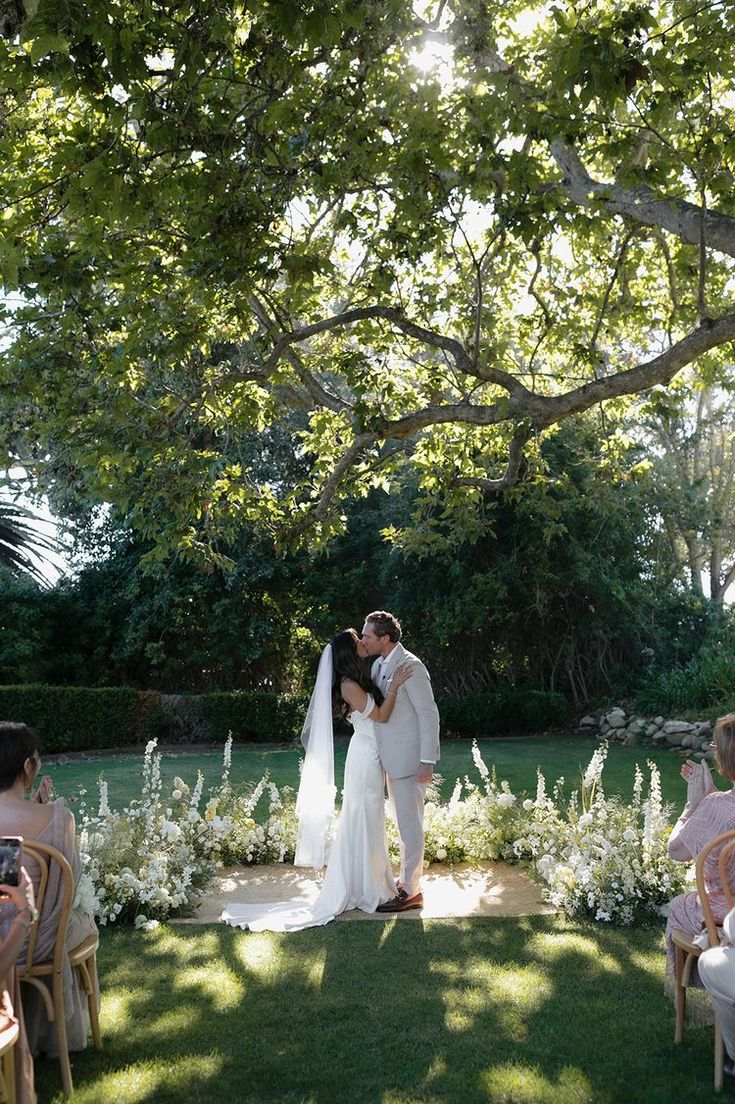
[(707, 814), (48, 821)]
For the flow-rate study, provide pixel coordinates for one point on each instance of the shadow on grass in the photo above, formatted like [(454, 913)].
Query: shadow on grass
[(530, 1009)]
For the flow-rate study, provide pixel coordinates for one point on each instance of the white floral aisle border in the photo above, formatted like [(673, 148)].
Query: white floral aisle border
[(596, 856)]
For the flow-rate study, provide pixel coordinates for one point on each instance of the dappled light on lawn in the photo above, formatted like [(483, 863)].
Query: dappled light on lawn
[(527, 1085)]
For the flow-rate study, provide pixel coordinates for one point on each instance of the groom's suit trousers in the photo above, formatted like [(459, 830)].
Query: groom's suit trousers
[(410, 735), (406, 797)]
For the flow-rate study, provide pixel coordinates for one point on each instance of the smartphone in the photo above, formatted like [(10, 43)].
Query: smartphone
[(10, 859)]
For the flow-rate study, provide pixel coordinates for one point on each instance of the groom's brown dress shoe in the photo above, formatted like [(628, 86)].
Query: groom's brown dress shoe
[(401, 903)]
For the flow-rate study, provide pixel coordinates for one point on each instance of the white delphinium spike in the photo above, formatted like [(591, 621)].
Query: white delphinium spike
[(150, 747), (104, 809), (637, 787), (227, 760), (479, 762), (196, 793), (654, 820), (594, 769)]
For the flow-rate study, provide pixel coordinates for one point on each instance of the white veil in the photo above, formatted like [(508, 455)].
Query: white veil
[(315, 801)]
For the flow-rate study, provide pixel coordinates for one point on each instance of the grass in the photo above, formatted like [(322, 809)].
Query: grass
[(518, 1010), (563, 754)]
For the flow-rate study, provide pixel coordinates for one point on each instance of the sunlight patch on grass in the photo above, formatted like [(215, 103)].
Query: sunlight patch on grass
[(388, 929), (463, 1007), (515, 1084), (221, 987), (145, 1080), (117, 1011), (436, 1070), (651, 964), (277, 960), (513, 994), (526, 988), (559, 945)]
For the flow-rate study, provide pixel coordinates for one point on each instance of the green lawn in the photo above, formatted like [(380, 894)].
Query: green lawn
[(515, 760), (523, 1011)]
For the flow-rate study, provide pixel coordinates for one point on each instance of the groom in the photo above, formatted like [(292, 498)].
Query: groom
[(408, 745)]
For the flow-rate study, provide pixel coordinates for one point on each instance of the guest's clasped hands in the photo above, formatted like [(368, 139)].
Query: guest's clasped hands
[(698, 778), (44, 792)]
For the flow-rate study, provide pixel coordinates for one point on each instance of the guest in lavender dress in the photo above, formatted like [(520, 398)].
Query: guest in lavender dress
[(708, 813)]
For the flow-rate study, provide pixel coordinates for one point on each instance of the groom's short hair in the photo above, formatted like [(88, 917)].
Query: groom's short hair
[(385, 624)]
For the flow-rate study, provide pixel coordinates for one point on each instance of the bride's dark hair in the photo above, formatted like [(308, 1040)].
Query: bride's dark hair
[(346, 663)]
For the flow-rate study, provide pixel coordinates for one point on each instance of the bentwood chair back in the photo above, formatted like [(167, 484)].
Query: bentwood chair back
[(686, 950), (8, 1039), (83, 959)]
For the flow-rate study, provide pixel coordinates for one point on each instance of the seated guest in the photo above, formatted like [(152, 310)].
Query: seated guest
[(717, 974), (11, 1011), (48, 821), (708, 813)]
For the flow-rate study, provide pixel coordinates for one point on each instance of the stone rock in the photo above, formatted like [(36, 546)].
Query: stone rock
[(651, 729), (677, 726), (658, 721), (701, 727), (686, 740), (616, 719), (587, 722), (630, 739), (673, 739)]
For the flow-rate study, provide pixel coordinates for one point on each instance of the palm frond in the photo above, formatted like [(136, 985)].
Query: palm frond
[(21, 545)]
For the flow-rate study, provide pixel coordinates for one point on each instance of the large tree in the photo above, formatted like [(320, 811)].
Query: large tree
[(693, 482), (436, 233)]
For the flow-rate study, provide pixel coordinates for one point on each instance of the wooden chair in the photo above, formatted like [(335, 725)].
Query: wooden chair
[(686, 950), (83, 958), (8, 1039)]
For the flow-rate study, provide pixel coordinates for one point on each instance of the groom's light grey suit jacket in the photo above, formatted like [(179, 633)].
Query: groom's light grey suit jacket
[(411, 735)]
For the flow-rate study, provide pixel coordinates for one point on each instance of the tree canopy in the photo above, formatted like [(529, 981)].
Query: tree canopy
[(414, 237)]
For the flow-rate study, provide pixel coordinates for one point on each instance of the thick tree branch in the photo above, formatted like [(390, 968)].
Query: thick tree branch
[(660, 370), (332, 484), (509, 476), (640, 203), (395, 315), (637, 202)]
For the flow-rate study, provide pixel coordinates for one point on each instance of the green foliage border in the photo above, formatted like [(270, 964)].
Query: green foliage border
[(78, 718)]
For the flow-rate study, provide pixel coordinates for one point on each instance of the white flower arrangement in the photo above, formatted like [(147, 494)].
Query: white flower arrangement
[(153, 857), (594, 855)]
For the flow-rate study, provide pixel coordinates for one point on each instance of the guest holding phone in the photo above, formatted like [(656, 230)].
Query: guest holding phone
[(11, 1009), (34, 814)]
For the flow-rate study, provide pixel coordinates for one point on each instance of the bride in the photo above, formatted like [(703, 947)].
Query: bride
[(359, 874)]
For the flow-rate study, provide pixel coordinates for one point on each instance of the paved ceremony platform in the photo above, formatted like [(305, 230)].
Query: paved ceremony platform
[(468, 889)]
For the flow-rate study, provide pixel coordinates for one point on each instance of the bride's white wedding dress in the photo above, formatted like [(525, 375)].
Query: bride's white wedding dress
[(359, 874)]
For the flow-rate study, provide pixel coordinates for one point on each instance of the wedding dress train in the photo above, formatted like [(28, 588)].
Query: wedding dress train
[(358, 874)]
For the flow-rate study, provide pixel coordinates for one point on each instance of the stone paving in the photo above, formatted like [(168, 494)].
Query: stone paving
[(468, 889)]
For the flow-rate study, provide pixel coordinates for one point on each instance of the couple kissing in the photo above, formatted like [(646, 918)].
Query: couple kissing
[(384, 692)]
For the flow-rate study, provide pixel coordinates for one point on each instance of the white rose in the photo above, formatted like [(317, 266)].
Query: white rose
[(441, 854), (505, 800), (528, 804)]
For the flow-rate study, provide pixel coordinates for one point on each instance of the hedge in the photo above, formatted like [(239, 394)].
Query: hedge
[(503, 711), (75, 718)]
